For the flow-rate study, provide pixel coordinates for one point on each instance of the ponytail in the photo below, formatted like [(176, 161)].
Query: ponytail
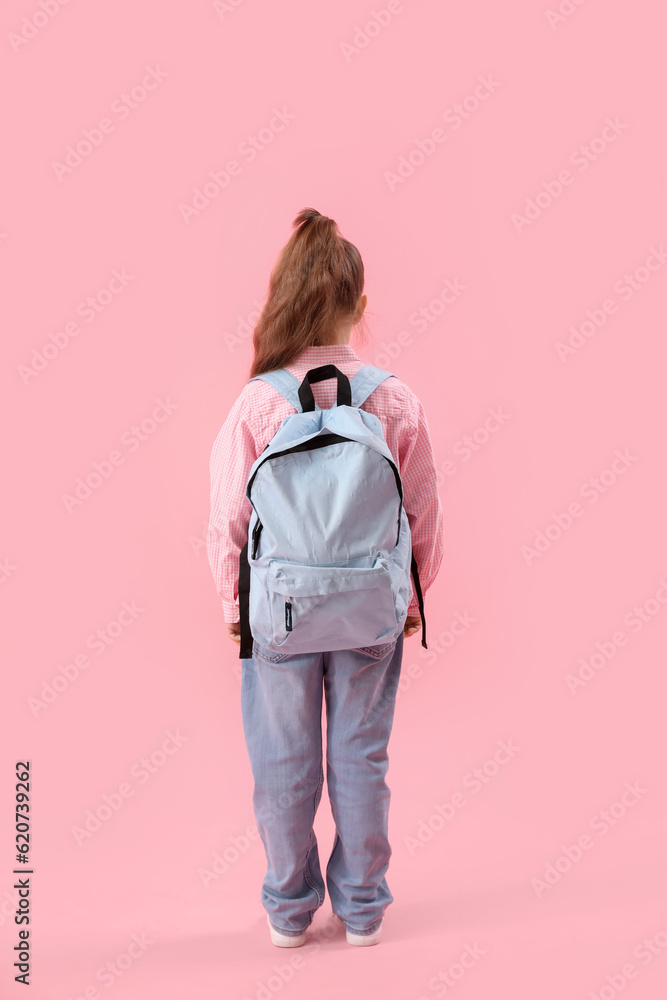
[(318, 277)]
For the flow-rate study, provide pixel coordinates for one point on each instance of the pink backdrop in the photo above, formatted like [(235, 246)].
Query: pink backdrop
[(501, 168)]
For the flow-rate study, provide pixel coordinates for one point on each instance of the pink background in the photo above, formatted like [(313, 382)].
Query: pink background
[(171, 333)]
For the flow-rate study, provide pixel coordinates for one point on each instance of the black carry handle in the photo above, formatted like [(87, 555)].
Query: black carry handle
[(319, 375)]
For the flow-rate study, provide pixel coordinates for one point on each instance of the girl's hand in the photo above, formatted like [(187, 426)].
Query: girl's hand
[(234, 631), (412, 624)]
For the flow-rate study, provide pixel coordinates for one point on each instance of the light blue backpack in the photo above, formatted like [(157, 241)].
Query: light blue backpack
[(328, 559)]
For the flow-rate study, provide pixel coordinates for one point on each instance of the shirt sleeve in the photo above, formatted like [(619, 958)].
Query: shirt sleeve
[(421, 499), (232, 456)]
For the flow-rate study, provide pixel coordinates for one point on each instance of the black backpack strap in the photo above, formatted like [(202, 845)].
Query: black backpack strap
[(244, 604), (420, 599)]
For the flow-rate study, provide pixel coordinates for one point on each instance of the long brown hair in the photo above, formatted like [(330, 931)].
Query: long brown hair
[(317, 280)]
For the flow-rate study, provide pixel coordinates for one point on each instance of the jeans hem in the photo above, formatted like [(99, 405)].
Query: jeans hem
[(290, 933)]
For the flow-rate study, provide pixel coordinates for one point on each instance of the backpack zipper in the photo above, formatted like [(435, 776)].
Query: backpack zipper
[(288, 614)]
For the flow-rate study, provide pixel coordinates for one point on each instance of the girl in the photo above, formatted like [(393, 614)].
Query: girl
[(315, 299)]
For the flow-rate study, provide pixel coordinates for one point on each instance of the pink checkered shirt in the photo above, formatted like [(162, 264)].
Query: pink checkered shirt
[(253, 420)]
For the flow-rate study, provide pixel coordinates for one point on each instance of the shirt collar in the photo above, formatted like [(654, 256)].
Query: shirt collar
[(324, 353)]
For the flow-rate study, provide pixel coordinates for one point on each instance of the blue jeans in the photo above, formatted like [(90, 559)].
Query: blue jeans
[(281, 704)]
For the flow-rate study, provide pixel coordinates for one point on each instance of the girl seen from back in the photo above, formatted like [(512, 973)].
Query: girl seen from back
[(316, 297)]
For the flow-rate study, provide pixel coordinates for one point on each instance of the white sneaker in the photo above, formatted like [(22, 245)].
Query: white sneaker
[(285, 940), (364, 940)]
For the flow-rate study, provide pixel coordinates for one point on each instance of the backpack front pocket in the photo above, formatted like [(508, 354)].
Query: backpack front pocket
[(330, 607)]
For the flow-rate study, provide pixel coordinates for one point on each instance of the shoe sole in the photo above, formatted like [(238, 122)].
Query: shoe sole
[(361, 940), (285, 940)]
